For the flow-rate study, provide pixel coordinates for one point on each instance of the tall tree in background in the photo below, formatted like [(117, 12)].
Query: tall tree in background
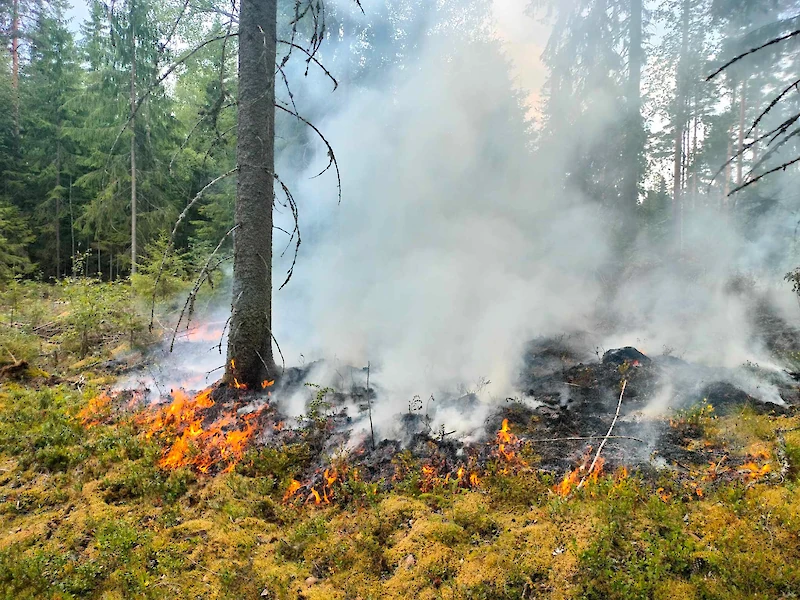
[(588, 82), (50, 88), (130, 170), (680, 118), (634, 159)]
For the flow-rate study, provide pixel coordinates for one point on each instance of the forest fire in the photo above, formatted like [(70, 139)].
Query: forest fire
[(92, 413), (329, 478), (507, 450), (203, 447), (584, 475)]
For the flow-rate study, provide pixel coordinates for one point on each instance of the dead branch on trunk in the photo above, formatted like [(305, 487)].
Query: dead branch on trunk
[(310, 58), (774, 134), (172, 238), (332, 162), (292, 205), (736, 59), (782, 167), (189, 304)]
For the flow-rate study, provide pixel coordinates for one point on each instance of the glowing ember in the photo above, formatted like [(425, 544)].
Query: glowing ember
[(754, 471), (207, 332)]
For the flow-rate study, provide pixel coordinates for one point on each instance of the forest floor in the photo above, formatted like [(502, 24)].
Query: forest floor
[(88, 508)]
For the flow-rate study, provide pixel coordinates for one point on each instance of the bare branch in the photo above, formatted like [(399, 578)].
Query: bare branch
[(189, 304), (296, 215), (311, 58), (161, 80), (331, 156), (736, 59), (166, 42), (782, 167), (607, 436), (175, 231), (771, 105), (587, 438)]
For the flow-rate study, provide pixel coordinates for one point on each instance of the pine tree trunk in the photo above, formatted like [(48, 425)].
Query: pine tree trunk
[(693, 161), (133, 145), (15, 34), (250, 358), (727, 186), (742, 110), (71, 230), (57, 216), (634, 127), (680, 124)]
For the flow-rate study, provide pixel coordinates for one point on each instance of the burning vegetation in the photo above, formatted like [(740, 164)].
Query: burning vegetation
[(579, 443), (174, 490)]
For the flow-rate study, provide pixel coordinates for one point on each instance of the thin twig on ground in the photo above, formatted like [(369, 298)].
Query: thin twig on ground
[(607, 436)]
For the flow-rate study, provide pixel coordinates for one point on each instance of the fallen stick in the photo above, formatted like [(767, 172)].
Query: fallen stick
[(584, 439), (606, 438), (781, 455)]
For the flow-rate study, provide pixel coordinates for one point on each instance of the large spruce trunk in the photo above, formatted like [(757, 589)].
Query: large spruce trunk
[(250, 360)]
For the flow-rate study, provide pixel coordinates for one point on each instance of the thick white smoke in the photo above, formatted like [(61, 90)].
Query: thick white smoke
[(450, 248), (454, 244)]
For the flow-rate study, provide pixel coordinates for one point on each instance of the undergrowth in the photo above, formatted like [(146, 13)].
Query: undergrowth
[(85, 512)]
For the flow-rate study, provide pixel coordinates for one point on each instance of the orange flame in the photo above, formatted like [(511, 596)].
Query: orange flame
[(292, 489), (507, 443), (580, 474), (267, 383), (222, 443), (92, 414), (570, 480)]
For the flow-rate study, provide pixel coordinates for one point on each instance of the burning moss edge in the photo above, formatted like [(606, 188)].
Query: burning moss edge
[(89, 514)]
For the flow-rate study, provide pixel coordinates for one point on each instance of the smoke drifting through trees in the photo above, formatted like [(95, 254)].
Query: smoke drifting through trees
[(464, 230), (458, 240)]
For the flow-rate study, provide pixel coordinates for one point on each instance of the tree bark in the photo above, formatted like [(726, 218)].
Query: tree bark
[(742, 109), (680, 124), (15, 34), (250, 359), (57, 216), (634, 128), (71, 230), (133, 141), (694, 154)]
